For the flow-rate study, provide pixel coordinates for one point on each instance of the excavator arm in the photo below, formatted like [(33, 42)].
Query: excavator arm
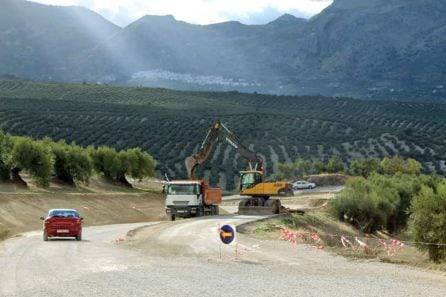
[(217, 131)]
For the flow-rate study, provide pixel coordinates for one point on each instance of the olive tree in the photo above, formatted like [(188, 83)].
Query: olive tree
[(428, 221), (71, 163), (35, 157), (6, 161), (363, 167)]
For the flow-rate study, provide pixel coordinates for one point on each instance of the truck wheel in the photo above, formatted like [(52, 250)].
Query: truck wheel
[(216, 210), (172, 217)]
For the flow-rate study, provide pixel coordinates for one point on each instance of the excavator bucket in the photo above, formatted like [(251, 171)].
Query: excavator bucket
[(191, 163), (254, 206)]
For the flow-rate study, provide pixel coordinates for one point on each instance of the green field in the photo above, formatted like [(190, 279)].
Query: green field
[(171, 125)]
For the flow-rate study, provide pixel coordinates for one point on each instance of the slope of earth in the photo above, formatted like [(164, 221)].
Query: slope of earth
[(99, 203)]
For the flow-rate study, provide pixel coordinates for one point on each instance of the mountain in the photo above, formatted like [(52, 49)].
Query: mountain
[(159, 50), (37, 41), (368, 49), (375, 49)]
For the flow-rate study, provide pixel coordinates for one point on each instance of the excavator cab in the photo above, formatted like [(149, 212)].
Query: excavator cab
[(248, 179)]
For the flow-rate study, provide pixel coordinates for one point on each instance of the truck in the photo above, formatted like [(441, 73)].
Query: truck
[(191, 198)]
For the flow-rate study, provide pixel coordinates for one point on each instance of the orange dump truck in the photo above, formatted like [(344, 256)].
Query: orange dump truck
[(191, 198)]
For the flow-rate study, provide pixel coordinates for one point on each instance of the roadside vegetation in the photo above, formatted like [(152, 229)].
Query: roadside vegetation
[(69, 163), (388, 198)]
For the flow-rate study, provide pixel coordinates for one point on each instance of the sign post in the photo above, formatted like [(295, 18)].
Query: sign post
[(227, 236)]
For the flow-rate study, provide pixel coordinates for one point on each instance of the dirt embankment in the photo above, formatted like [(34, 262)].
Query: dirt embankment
[(98, 204)]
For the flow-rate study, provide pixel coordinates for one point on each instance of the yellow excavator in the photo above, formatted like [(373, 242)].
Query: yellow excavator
[(252, 182)]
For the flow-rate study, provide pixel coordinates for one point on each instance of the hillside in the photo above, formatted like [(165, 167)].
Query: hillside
[(41, 41), (171, 125), (377, 49)]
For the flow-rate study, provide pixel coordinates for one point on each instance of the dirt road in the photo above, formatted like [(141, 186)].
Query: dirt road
[(182, 259)]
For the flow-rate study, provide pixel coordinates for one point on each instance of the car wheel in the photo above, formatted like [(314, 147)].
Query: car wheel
[(79, 237), (45, 236)]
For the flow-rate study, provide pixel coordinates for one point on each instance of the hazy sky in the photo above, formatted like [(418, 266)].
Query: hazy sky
[(123, 12)]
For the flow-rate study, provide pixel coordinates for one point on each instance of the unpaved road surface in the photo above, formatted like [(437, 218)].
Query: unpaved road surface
[(182, 258)]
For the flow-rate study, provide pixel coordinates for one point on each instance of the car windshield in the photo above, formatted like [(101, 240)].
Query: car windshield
[(63, 213), (184, 189)]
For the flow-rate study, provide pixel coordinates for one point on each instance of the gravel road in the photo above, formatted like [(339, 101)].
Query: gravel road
[(182, 259)]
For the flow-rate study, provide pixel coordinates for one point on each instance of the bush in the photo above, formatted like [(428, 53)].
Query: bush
[(428, 220)]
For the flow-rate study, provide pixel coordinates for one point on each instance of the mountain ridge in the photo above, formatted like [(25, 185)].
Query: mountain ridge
[(366, 49)]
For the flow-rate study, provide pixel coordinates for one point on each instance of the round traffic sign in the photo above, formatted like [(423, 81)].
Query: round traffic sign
[(227, 234)]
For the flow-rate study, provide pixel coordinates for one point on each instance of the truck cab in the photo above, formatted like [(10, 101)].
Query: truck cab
[(191, 198)]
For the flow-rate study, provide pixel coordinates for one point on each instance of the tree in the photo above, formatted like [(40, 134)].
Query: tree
[(142, 165), (104, 160), (412, 166), (318, 167), (364, 205), (335, 165), (364, 167), (397, 164), (392, 165), (303, 167), (6, 147), (381, 201), (72, 163), (35, 157), (428, 221), (116, 165), (286, 170)]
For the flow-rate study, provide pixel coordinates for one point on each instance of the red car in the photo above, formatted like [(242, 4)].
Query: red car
[(62, 223)]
